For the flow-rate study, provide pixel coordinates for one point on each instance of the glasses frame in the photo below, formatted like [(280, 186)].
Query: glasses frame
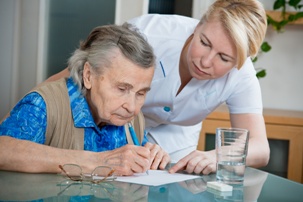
[(84, 177), (107, 188)]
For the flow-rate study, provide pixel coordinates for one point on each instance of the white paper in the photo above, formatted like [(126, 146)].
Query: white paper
[(156, 178)]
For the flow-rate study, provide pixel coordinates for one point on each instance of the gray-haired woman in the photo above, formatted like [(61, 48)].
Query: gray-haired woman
[(84, 119)]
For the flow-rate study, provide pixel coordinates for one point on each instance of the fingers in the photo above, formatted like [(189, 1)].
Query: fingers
[(180, 165), (204, 166), (210, 168), (128, 160), (131, 159), (196, 162), (158, 157), (164, 162), (139, 157)]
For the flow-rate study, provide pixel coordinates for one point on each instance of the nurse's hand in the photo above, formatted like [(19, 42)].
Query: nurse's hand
[(158, 157), (199, 162)]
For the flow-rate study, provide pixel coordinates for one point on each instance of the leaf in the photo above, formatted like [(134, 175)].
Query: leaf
[(299, 15), (265, 47), (294, 3), (261, 73), (269, 20), (275, 24), (279, 4), (254, 59), (294, 17), (291, 17)]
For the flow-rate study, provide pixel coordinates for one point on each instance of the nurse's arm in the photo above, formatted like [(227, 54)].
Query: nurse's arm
[(59, 75), (258, 147)]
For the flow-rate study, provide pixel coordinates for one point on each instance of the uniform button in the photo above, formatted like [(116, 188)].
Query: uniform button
[(167, 109)]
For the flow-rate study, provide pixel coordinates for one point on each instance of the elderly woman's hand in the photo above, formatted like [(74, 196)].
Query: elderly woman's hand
[(158, 157), (127, 160)]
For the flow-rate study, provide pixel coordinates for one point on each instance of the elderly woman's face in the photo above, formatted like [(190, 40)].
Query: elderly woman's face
[(117, 95)]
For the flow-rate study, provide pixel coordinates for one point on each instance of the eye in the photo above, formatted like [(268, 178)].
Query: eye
[(223, 58), (141, 93), (122, 89), (204, 43)]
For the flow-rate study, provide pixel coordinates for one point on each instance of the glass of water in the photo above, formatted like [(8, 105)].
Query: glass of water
[(231, 151)]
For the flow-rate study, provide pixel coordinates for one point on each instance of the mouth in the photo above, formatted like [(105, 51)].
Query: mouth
[(200, 72), (126, 117)]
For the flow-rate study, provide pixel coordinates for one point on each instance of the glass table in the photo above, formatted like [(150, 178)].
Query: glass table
[(258, 186)]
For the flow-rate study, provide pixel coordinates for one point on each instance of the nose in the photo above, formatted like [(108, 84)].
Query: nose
[(130, 104), (207, 60)]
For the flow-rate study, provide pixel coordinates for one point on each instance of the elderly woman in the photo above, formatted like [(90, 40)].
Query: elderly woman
[(81, 119)]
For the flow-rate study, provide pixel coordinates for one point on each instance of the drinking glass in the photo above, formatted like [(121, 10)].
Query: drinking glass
[(231, 151)]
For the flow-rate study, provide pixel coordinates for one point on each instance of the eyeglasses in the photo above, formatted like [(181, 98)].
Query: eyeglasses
[(105, 191), (99, 174)]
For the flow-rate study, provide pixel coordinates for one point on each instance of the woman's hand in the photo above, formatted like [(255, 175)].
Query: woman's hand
[(127, 160), (199, 162), (158, 157)]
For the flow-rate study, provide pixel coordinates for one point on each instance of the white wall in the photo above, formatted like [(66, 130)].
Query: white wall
[(6, 52), (18, 49), (127, 9), (282, 87)]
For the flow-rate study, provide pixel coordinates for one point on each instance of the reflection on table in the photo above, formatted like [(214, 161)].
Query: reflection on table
[(258, 186)]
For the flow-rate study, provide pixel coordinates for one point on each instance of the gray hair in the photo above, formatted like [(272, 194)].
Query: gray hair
[(102, 42)]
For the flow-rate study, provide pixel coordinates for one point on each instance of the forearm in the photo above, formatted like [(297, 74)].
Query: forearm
[(258, 147), (59, 75), (26, 156), (258, 153)]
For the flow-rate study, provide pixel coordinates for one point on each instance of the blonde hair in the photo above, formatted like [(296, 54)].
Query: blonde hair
[(244, 20)]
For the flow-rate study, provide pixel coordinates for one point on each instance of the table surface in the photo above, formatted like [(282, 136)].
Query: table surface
[(258, 186)]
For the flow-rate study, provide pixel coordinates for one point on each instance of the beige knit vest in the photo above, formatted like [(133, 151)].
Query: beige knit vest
[(60, 131)]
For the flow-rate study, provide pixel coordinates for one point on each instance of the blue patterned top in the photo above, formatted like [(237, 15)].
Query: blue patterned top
[(28, 121)]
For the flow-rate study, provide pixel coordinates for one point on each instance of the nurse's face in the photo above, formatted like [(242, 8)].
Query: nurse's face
[(117, 95), (211, 53)]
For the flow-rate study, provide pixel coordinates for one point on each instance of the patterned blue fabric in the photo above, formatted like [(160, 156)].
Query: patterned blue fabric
[(28, 121)]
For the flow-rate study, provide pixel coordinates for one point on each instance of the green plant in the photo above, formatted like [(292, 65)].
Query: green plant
[(278, 25), (286, 17), (265, 47)]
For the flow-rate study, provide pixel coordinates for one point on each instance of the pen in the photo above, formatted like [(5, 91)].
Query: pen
[(133, 134), (134, 137)]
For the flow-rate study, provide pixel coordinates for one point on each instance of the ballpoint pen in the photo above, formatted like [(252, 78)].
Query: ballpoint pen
[(133, 134), (134, 137)]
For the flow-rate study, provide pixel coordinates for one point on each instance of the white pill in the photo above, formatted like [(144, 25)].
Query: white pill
[(220, 186)]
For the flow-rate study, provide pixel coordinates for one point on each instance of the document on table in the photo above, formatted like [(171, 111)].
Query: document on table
[(156, 178)]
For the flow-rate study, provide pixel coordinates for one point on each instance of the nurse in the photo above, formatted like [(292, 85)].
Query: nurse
[(201, 65)]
